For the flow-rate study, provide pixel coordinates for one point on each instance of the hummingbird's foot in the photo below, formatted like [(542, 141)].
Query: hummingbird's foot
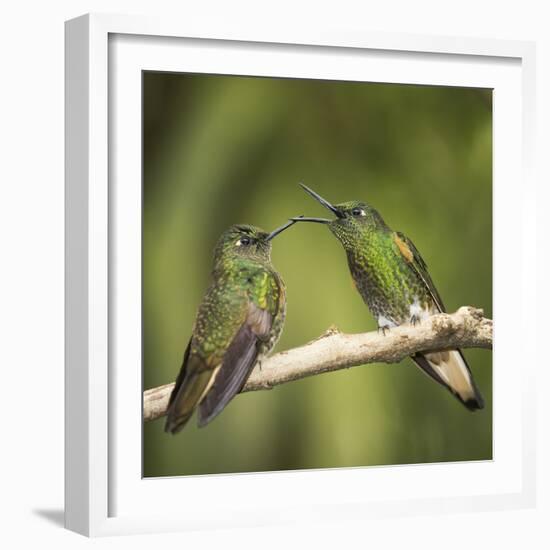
[(415, 319), (384, 324)]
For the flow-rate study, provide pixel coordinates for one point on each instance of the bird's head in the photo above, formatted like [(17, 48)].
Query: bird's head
[(246, 241), (352, 218)]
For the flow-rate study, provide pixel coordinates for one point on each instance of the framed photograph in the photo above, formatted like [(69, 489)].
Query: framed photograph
[(241, 211)]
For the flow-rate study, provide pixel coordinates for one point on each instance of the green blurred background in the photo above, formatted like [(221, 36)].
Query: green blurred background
[(220, 150)]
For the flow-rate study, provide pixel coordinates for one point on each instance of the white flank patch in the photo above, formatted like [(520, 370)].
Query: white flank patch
[(416, 310), (385, 322)]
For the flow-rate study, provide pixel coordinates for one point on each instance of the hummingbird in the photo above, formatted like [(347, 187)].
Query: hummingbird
[(394, 282), (238, 322)]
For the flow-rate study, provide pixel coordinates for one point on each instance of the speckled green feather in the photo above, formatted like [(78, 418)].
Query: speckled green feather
[(238, 321), (380, 271), (236, 283), (393, 280)]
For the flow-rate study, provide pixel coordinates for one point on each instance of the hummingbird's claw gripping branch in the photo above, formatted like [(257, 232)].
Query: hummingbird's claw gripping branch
[(415, 319), (466, 328)]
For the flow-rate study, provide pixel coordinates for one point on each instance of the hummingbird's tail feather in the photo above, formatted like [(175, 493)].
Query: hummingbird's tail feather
[(449, 368), (176, 423), (185, 397), (238, 363)]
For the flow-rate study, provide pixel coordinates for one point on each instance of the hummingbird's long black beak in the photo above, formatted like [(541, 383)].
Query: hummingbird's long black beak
[(275, 232), (324, 202), (304, 219)]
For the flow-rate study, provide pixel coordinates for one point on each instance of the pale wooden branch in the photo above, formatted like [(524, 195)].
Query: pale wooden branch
[(467, 328)]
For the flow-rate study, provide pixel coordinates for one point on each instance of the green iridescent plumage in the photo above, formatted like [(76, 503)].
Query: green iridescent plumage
[(238, 322), (393, 280)]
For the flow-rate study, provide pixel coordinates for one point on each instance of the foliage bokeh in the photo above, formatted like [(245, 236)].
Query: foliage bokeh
[(220, 150)]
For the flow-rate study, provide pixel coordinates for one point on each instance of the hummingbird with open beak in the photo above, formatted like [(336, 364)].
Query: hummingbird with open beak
[(393, 280), (238, 322)]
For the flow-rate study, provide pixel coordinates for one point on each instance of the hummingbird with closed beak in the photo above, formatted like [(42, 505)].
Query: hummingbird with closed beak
[(238, 322), (393, 280)]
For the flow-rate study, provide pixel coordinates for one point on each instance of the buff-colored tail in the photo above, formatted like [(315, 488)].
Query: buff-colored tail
[(450, 369)]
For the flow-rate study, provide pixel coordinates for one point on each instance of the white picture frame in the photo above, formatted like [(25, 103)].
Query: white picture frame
[(104, 490)]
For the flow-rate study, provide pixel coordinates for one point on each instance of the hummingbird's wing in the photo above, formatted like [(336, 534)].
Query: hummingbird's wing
[(416, 262), (448, 368), (228, 335), (215, 326), (238, 362), (192, 382)]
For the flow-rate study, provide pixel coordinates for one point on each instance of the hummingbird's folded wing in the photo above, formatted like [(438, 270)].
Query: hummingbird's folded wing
[(448, 368), (237, 363), (410, 253), (191, 384)]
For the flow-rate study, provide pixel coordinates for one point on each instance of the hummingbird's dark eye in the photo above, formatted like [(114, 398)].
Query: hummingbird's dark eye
[(244, 241), (357, 212)]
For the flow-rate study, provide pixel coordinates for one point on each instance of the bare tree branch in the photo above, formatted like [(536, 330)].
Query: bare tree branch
[(467, 328)]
